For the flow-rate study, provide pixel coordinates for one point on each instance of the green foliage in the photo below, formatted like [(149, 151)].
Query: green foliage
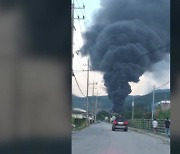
[(163, 114), (127, 115), (79, 122), (138, 114), (147, 115), (143, 103), (102, 114)]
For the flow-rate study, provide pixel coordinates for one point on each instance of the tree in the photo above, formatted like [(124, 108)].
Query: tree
[(160, 114), (147, 115), (138, 114), (102, 114), (163, 114), (127, 115)]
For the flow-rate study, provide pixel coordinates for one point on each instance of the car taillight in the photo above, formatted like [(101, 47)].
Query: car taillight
[(115, 122), (125, 123)]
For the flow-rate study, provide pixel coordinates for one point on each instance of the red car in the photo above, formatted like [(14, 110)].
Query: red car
[(120, 123)]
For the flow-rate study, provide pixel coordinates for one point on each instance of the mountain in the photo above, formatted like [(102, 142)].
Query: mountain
[(102, 102), (141, 102), (145, 102)]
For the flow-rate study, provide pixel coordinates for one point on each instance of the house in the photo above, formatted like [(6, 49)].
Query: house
[(78, 113), (164, 105)]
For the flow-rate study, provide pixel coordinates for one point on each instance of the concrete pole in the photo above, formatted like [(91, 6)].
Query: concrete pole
[(87, 103), (72, 24), (96, 107), (93, 104), (152, 117), (133, 109)]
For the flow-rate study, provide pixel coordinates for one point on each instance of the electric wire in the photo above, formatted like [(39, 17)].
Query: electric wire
[(163, 85), (148, 53), (78, 85), (79, 7)]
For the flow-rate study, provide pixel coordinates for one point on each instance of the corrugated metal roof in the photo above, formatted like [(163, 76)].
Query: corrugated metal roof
[(78, 110)]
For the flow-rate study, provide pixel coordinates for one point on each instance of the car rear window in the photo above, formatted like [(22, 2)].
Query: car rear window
[(120, 119)]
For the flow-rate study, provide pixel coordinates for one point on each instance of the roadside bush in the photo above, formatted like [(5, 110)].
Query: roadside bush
[(102, 114)]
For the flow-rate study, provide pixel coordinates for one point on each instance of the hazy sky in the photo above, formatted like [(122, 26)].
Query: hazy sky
[(147, 80)]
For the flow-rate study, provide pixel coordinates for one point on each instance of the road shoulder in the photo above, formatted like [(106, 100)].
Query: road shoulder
[(159, 136)]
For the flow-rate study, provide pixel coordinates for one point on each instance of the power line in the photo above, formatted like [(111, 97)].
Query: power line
[(83, 14), (78, 50), (74, 9), (79, 7), (84, 11), (80, 63), (76, 37), (159, 87), (83, 3), (77, 40), (153, 51), (78, 43), (163, 85), (78, 85), (80, 27), (76, 13), (78, 60)]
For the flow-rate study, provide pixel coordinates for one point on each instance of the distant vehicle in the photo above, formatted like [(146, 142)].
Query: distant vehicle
[(120, 123), (98, 121)]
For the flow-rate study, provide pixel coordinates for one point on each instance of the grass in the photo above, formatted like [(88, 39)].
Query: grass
[(80, 128)]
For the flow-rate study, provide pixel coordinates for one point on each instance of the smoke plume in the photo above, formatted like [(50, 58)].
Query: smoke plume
[(126, 38)]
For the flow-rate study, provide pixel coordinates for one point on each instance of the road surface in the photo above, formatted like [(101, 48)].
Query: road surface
[(99, 139)]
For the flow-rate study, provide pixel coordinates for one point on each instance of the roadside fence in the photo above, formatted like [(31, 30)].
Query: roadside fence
[(146, 124)]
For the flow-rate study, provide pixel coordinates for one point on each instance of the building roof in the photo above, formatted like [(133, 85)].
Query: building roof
[(165, 102), (162, 102), (78, 110)]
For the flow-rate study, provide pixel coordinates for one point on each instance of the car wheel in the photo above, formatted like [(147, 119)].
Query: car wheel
[(125, 130), (113, 129)]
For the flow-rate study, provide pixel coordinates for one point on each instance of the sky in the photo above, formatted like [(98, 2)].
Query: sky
[(147, 80)]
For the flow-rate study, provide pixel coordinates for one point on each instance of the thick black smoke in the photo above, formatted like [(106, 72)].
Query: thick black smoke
[(123, 42)]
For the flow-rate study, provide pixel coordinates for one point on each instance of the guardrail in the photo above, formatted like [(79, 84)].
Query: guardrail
[(146, 124)]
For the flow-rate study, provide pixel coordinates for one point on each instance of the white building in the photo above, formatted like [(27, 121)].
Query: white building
[(78, 113), (164, 105)]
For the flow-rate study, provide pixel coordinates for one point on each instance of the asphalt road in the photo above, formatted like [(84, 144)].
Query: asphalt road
[(99, 139)]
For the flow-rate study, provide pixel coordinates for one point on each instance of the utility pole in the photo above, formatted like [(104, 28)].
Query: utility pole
[(73, 28), (87, 103), (94, 100), (72, 33), (165, 97), (153, 103), (133, 109), (72, 19), (96, 107), (78, 8)]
